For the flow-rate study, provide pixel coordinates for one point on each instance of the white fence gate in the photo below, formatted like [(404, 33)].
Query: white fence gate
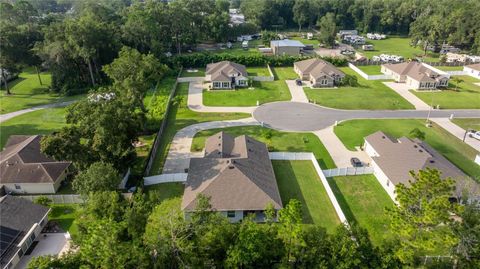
[(348, 171), (165, 178)]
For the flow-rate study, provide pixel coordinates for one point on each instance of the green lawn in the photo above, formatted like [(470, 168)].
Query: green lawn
[(305, 41), (179, 117), (450, 68), (467, 96), (264, 92), (370, 69), (284, 73), (64, 215), (142, 149), (155, 102), (237, 49), (27, 92), (468, 123), (166, 191), (258, 71), (200, 72), (299, 180), (398, 46), (370, 94), (43, 121), (363, 201), (352, 133), (279, 141)]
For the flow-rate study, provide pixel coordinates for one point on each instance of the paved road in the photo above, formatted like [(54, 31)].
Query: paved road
[(178, 158), (303, 117), (5, 117), (298, 95), (195, 101), (404, 90)]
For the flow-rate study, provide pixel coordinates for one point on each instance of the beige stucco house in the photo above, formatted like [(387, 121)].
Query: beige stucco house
[(319, 72), (226, 75), (417, 75), (237, 174), (25, 169)]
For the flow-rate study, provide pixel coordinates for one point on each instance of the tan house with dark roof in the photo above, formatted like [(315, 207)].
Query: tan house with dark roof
[(25, 169), (237, 174), (318, 72), (226, 75), (417, 75), (393, 159), (472, 70)]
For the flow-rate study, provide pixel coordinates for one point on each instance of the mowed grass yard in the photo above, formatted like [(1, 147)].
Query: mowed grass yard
[(352, 134), (467, 96), (258, 71), (279, 141), (284, 73), (27, 92), (370, 69), (299, 180), (363, 201), (43, 121), (369, 94), (397, 45), (468, 123), (181, 116), (263, 92), (193, 72), (449, 68), (65, 215)]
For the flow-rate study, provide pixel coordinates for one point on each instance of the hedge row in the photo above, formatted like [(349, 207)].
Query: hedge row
[(202, 59)]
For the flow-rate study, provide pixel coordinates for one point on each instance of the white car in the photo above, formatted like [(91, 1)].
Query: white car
[(475, 134)]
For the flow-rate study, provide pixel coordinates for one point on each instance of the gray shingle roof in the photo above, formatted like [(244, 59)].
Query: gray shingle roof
[(318, 68), (474, 66), (222, 71), (22, 162), (241, 177), (414, 70)]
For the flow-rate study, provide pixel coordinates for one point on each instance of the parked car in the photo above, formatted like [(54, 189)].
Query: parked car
[(356, 162), (474, 134), (298, 82)]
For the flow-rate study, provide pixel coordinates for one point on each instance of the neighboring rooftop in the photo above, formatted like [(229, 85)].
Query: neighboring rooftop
[(397, 157), (224, 70), (415, 70), (21, 161), (236, 173), (317, 68), (17, 217), (286, 43), (474, 66)]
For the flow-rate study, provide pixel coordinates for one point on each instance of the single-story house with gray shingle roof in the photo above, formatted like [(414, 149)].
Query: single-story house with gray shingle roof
[(237, 174), (319, 72), (21, 223), (472, 70), (392, 160), (25, 169), (226, 75), (286, 47), (417, 75)]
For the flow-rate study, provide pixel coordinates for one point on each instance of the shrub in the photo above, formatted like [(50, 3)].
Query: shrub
[(42, 200), (349, 80)]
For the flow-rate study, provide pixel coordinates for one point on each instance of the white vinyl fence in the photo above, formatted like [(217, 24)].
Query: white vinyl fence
[(308, 156), (348, 171), (457, 73), (56, 198), (366, 76), (165, 178), (265, 78)]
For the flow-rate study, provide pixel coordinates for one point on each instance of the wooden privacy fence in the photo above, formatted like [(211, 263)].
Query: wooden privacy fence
[(156, 142)]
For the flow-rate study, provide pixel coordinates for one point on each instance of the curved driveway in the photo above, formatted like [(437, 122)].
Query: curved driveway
[(304, 117), (7, 116)]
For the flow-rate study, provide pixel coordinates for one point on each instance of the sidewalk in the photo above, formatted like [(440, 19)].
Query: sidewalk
[(179, 154), (457, 131), (298, 95), (339, 153), (195, 102), (403, 90)]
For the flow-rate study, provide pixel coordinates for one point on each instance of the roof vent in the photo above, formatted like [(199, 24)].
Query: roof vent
[(383, 137), (432, 161), (231, 167), (415, 146), (420, 150)]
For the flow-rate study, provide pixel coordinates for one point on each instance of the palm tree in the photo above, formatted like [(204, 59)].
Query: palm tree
[(457, 81)]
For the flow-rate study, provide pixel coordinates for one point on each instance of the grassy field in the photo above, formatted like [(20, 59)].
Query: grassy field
[(305, 41), (352, 133), (142, 150), (200, 72), (179, 117), (259, 71), (279, 141), (370, 69), (264, 92), (167, 191), (467, 96), (363, 201), (64, 215), (299, 180), (450, 68), (43, 121), (468, 123), (398, 46), (284, 73), (370, 94), (27, 92)]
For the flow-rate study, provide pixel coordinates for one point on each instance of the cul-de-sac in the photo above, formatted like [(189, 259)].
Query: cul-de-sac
[(239, 134)]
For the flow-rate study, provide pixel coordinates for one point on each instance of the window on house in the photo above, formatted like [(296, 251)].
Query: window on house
[(20, 253), (216, 84), (18, 187), (231, 214), (323, 82), (225, 84), (388, 182), (242, 82)]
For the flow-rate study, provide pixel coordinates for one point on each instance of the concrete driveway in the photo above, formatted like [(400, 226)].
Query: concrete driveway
[(52, 244), (298, 95), (457, 131), (403, 90)]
